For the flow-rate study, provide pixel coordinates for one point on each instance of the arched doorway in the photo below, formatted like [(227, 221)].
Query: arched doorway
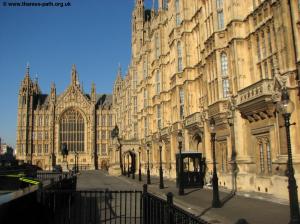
[(197, 142), (129, 162)]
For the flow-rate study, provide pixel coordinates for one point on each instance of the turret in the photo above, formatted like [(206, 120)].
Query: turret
[(93, 93), (53, 93)]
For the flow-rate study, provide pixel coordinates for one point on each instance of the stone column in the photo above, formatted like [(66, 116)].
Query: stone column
[(114, 168)]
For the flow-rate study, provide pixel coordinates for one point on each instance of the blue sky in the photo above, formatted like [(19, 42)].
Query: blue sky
[(93, 34)]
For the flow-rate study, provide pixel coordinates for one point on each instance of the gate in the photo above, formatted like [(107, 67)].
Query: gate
[(129, 165), (194, 168)]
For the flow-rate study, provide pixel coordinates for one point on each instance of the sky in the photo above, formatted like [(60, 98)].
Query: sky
[(93, 34)]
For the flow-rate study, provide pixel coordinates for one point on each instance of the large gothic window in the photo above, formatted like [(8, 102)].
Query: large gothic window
[(72, 130)]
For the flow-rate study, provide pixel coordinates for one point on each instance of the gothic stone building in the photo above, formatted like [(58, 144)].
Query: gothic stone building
[(81, 121), (193, 60)]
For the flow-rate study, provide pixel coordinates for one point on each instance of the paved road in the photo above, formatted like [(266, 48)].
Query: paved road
[(197, 201)]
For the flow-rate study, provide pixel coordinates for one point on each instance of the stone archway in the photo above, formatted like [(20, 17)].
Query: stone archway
[(197, 142), (39, 164)]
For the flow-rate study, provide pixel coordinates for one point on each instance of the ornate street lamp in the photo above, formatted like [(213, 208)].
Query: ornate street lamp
[(133, 165), (148, 167), (76, 161), (230, 121), (161, 177), (216, 200), (140, 171), (128, 173), (180, 140), (285, 107)]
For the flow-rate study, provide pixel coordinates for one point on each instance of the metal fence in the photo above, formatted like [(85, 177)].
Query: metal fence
[(159, 211), (56, 176), (103, 207)]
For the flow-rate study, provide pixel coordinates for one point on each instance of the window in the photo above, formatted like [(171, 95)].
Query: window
[(181, 103), (264, 50), (265, 159), (33, 148), (46, 148), (145, 98), (261, 157), (46, 120), (39, 149), (134, 79), (145, 126), (40, 121), (258, 48), (157, 46), (165, 4), (158, 117), (40, 135), (220, 14), (103, 120), (110, 120), (46, 135), (145, 69), (179, 56), (135, 105), (224, 74), (103, 149), (72, 130), (103, 134), (177, 9), (135, 127), (157, 80)]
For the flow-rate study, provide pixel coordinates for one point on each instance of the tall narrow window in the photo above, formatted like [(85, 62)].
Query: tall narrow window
[(145, 69), (224, 73), (264, 50), (181, 103), (258, 48), (157, 81), (157, 46), (158, 116), (145, 126), (135, 105), (165, 4), (177, 10), (103, 120), (261, 157), (269, 160), (72, 130), (145, 98), (103, 149), (220, 14), (134, 79), (179, 56), (46, 148), (39, 149)]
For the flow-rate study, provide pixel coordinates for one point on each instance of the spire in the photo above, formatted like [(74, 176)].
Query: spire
[(119, 70), (27, 69), (93, 92), (53, 91), (74, 75)]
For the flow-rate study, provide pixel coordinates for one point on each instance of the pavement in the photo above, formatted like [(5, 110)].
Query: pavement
[(254, 208)]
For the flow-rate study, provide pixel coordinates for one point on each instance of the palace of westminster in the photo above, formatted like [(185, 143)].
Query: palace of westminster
[(192, 60)]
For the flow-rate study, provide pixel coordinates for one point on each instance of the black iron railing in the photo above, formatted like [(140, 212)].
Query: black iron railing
[(48, 175), (159, 211), (95, 207)]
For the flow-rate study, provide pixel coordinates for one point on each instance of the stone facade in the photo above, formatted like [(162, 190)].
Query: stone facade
[(82, 121), (197, 59)]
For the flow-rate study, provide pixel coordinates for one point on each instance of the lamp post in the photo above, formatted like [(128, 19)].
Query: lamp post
[(76, 162), (230, 121), (124, 165), (140, 171), (133, 165), (128, 174), (180, 140), (285, 107), (161, 177), (148, 165), (216, 200)]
